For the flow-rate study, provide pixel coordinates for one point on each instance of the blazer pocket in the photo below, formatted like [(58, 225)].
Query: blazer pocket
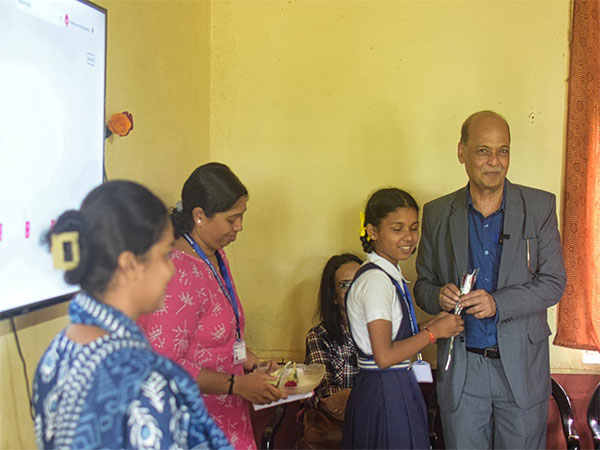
[(538, 333)]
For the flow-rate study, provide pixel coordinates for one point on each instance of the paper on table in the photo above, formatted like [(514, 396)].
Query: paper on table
[(291, 398)]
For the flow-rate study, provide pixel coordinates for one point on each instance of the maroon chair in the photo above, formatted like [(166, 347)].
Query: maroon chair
[(268, 435), (592, 416), (566, 415)]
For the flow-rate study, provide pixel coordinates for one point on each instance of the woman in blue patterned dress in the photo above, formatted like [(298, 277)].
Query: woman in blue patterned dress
[(99, 384)]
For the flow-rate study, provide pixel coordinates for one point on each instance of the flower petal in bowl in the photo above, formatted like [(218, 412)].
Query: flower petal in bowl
[(309, 377)]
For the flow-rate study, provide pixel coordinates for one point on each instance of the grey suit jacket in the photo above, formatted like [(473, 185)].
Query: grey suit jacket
[(528, 284)]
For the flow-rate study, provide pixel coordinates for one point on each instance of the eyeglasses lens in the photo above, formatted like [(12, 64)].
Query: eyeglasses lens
[(343, 285)]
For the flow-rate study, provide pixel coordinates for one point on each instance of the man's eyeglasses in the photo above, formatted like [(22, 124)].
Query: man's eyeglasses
[(343, 285)]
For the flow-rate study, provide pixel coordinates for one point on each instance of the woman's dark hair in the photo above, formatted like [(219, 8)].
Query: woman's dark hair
[(328, 309), (115, 217), (212, 187), (381, 203)]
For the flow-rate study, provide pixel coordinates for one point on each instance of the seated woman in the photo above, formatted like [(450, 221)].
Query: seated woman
[(330, 343), (99, 384)]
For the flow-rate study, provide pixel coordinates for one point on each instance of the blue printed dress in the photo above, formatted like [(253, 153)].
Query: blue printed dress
[(115, 392)]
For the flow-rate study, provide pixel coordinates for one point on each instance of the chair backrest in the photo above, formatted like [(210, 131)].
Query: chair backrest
[(564, 407), (270, 430), (592, 416), (566, 415), (432, 413)]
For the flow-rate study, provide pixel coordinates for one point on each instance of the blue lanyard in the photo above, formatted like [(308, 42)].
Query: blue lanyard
[(405, 296), (228, 290), (411, 308)]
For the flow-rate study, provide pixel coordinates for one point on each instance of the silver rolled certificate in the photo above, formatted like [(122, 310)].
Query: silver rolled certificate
[(466, 284)]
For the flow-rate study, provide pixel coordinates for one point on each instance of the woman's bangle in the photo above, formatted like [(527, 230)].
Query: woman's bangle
[(252, 369), (431, 336), (231, 380)]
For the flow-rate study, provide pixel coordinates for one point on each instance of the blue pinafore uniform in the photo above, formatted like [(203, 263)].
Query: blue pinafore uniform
[(386, 408)]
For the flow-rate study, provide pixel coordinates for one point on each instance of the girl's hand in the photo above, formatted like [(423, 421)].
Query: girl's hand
[(447, 325), (434, 319), (255, 387)]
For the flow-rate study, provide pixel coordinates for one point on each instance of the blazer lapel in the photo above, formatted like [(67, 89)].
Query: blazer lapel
[(459, 232), (513, 224)]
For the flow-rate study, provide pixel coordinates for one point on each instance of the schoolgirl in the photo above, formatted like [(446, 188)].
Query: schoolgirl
[(386, 408)]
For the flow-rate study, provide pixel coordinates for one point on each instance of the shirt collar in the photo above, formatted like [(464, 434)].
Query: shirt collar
[(85, 309), (470, 200), (393, 271)]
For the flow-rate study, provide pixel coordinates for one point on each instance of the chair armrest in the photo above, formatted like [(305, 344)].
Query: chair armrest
[(566, 415)]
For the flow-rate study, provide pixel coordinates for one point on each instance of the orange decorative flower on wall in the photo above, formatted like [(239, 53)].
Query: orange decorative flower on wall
[(120, 124)]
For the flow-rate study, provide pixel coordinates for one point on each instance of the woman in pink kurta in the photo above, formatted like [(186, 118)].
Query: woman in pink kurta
[(196, 328), (198, 325)]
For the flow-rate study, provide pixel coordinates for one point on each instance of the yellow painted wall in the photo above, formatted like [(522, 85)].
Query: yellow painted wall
[(318, 103), (315, 104), (158, 69), (35, 331)]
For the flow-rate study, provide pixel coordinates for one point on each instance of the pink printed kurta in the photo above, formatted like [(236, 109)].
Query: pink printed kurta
[(196, 328)]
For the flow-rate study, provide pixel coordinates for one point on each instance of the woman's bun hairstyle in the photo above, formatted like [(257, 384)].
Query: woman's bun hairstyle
[(212, 187), (115, 217), (380, 204)]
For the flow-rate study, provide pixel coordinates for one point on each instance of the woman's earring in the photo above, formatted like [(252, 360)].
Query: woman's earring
[(199, 221)]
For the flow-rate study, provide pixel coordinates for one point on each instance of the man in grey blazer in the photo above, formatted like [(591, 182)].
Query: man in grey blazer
[(495, 393)]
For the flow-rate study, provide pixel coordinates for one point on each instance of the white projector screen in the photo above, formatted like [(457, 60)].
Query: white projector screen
[(52, 93)]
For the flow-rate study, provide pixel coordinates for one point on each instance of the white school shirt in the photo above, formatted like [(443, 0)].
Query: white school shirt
[(371, 297)]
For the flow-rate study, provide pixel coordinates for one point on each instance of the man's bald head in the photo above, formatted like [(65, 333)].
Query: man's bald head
[(464, 130)]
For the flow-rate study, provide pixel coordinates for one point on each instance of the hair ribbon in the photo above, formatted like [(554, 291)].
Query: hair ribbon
[(363, 228)]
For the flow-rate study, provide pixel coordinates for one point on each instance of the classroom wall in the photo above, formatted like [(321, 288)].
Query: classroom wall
[(159, 70), (315, 104), (35, 330)]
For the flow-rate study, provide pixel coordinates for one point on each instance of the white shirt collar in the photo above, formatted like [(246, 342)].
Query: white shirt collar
[(392, 270)]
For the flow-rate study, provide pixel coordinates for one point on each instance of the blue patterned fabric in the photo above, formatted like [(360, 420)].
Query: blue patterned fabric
[(115, 392)]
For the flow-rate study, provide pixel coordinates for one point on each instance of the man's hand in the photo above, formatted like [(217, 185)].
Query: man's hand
[(479, 303), (448, 296)]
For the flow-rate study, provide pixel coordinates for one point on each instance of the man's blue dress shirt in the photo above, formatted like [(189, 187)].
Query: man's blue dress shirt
[(485, 250)]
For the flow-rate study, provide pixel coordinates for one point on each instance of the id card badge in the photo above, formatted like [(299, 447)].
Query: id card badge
[(422, 371), (239, 352)]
